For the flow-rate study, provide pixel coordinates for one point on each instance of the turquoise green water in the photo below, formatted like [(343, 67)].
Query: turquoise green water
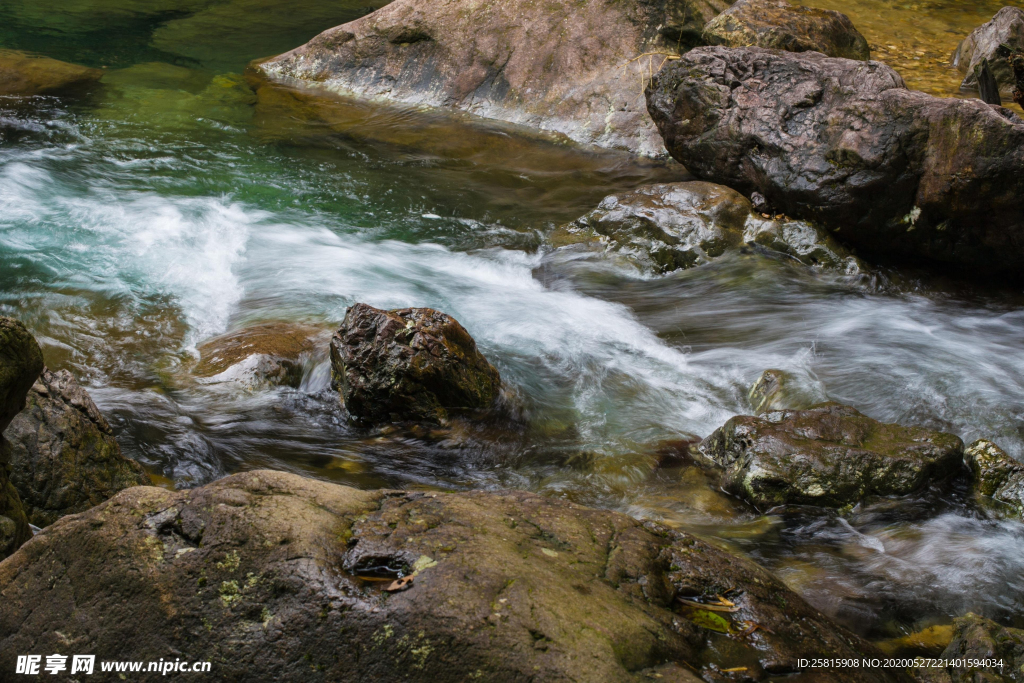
[(169, 208)]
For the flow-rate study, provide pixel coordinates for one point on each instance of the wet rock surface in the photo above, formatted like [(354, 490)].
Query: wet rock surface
[(21, 361), (64, 458), (409, 364), (779, 390), (1005, 28), (778, 25), (996, 474), (843, 143), (22, 73), (672, 226), (267, 354), (978, 638), (274, 577), (828, 455), (562, 67)]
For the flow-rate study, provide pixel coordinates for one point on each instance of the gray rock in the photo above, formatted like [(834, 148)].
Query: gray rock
[(778, 25), (671, 226), (844, 144), (272, 577), (21, 361), (64, 458), (829, 455), (564, 67), (1005, 28)]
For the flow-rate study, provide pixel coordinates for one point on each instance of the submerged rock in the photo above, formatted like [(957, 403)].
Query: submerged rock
[(845, 144), (778, 25), (409, 364), (1005, 28), (21, 361), (977, 638), (22, 73), (780, 390), (828, 455), (996, 474), (670, 226), (563, 66), (267, 354), (271, 577), (64, 458)]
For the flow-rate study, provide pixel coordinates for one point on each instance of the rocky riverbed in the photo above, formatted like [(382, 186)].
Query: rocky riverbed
[(557, 342)]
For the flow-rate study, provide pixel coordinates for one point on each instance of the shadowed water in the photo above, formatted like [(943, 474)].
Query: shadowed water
[(169, 209)]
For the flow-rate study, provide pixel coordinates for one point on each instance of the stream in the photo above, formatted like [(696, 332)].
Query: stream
[(166, 210)]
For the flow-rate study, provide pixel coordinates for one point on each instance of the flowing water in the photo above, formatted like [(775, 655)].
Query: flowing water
[(167, 210)]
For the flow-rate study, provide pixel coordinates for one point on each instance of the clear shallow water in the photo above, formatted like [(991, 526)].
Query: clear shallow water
[(168, 210)]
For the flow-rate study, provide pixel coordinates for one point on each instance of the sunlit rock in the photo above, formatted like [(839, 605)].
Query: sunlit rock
[(566, 67), (21, 361), (64, 458), (1005, 28), (269, 354), (22, 73), (270, 577), (828, 455), (672, 226), (410, 364), (897, 173), (778, 25)]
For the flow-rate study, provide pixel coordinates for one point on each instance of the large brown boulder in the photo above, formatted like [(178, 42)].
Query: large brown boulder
[(409, 365), (22, 73), (1005, 28), (670, 226), (21, 361), (845, 144), (272, 577), (778, 25), (829, 455), (562, 66), (64, 458)]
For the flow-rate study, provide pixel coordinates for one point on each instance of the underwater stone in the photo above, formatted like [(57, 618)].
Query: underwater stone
[(778, 25), (24, 74)]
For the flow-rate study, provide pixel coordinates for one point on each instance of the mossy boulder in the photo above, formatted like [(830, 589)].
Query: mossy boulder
[(274, 577), (672, 226), (409, 365), (996, 474), (828, 455), (977, 638), (778, 25), (64, 458), (23, 73), (274, 354), (21, 361)]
